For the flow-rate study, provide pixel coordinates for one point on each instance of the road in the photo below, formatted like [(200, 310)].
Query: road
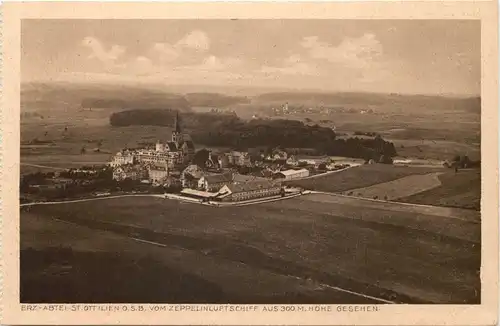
[(43, 166), (72, 163), (467, 215), (72, 201)]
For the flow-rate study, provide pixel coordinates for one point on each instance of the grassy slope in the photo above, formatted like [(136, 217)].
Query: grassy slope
[(359, 177), (402, 187), (375, 251), (462, 189)]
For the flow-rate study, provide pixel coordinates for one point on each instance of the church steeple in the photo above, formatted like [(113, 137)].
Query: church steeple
[(177, 123), (177, 132)]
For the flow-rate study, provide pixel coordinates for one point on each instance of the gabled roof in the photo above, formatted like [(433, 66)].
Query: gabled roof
[(246, 178), (171, 146), (292, 172), (194, 192), (194, 171), (217, 178), (249, 186)]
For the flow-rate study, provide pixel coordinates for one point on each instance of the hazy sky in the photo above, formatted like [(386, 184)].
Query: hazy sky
[(397, 56)]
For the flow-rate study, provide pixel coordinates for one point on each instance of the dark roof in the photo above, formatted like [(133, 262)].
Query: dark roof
[(253, 185), (247, 178), (217, 178), (171, 146)]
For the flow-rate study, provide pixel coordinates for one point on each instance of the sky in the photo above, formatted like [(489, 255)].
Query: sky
[(387, 56)]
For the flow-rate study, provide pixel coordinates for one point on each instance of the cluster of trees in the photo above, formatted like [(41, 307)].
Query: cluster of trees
[(365, 133), (80, 183), (295, 134), (255, 133), (463, 162), (85, 173), (376, 149), (83, 184)]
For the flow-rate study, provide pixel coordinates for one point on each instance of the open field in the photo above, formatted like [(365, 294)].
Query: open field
[(361, 176), (435, 149), (295, 250), (462, 189), (137, 271), (402, 187)]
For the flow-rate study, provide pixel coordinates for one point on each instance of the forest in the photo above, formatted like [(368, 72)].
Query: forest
[(227, 130)]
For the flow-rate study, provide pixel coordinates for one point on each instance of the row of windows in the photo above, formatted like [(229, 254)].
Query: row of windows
[(255, 194)]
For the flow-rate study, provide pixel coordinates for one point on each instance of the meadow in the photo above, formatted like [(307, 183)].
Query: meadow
[(462, 189), (361, 176), (402, 187), (389, 252)]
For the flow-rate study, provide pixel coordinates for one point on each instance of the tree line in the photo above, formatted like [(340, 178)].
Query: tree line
[(221, 130)]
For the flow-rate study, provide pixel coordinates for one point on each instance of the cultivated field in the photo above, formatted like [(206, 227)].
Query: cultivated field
[(462, 189), (402, 187), (295, 250), (361, 176)]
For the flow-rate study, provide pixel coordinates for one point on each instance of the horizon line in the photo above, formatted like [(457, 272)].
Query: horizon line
[(277, 89)]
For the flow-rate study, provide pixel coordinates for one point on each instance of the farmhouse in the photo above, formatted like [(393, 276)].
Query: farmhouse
[(190, 176), (249, 190), (291, 174)]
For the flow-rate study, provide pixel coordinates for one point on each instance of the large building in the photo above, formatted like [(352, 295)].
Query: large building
[(180, 147), (249, 190), (123, 157), (158, 174), (174, 153), (292, 174)]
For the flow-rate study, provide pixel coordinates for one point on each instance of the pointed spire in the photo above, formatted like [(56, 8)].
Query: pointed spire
[(177, 123)]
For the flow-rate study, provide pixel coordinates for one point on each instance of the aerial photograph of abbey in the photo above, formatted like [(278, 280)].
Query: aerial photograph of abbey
[(250, 161)]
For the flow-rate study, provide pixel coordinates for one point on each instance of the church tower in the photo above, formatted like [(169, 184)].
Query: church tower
[(177, 132)]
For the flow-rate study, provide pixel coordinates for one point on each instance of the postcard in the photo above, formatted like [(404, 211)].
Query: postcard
[(238, 163)]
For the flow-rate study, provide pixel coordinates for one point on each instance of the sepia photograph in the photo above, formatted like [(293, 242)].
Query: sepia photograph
[(250, 161), (211, 166)]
